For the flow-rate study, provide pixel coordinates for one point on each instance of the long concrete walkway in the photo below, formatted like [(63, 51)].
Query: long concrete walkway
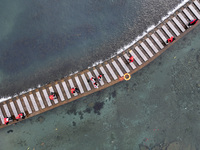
[(144, 51)]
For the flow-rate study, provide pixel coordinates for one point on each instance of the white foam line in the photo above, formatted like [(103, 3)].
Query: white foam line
[(114, 54), (142, 35)]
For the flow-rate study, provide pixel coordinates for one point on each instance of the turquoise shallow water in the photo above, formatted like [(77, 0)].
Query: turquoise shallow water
[(42, 41), (160, 102)]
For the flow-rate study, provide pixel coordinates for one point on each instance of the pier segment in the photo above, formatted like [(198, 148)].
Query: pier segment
[(144, 51)]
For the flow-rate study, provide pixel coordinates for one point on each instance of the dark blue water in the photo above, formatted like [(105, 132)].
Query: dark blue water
[(42, 41)]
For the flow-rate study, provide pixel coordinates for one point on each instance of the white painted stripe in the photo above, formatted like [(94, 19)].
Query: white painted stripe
[(2, 117), (188, 14), (161, 35), (157, 41), (173, 28), (86, 82), (131, 63), (66, 90), (27, 105), (123, 64), (72, 86), (79, 84), (117, 68), (194, 11), (6, 110), (152, 45), (20, 106), (141, 53), (12, 105), (105, 74), (183, 19), (178, 24), (40, 100), (46, 97), (97, 74), (197, 4), (135, 57), (60, 92), (51, 90), (146, 49), (111, 71), (33, 102), (166, 31)]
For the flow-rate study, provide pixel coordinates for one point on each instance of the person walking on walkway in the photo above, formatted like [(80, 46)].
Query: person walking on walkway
[(131, 59), (100, 77), (170, 40), (192, 22), (73, 91), (96, 85), (21, 115), (52, 96), (7, 120)]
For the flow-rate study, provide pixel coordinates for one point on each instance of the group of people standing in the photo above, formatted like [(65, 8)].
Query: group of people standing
[(9, 119)]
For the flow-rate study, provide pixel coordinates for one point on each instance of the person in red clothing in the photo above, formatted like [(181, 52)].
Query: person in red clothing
[(170, 40), (6, 120), (100, 77), (73, 90), (131, 59), (21, 115), (192, 22), (52, 96), (96, 85)]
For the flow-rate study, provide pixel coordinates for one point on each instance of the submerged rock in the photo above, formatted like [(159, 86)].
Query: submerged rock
[(40, 119)]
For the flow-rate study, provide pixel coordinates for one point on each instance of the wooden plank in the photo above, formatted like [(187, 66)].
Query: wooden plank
[(161, 35), (188, 14), (173, 28), (6, 110), (66, 90), (97, 74), (40, 100), (123, 64), (157, 41), (131, 63), (79, 84), (117, 68), (197, 4), (183, 19), (20, 106), (86, 82), (52, 90), (46, 97), (166, 31), (27, 105), (34, 102), (193, 10), (59, 92), (111, 71), (14, 110), (105, 74), (2, 116), (178, 24), (152, 45), (146, 49), (141, 53), (135, 57)]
